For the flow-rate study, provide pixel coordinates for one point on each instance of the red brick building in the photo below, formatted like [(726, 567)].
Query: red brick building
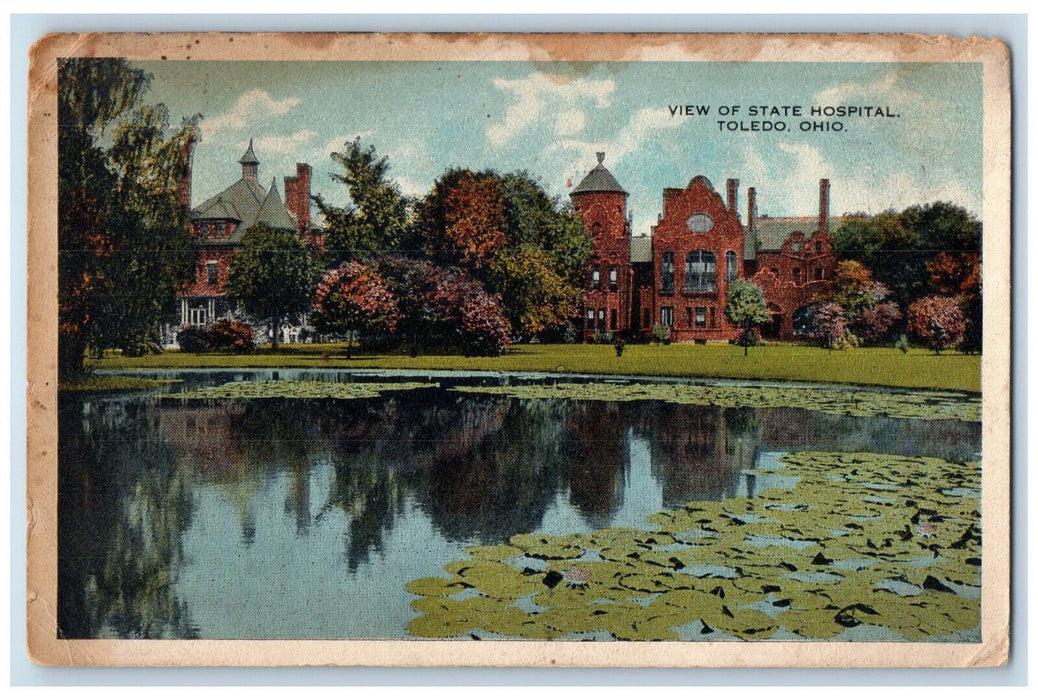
[(218, 224), (679, 275)]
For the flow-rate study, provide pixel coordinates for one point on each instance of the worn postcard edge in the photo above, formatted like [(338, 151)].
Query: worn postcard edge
[(41, 399)]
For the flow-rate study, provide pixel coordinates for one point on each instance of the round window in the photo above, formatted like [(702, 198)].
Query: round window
[(700, 223)]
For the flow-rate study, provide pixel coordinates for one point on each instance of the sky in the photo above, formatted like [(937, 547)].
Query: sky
[(550, 119)]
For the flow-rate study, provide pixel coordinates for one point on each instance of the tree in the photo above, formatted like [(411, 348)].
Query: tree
[(532, 218), (746, 308), (354, 298), (272, 276), (936, 321), (379, 219), (461, 220), (868, 313), (123, 240), (897, 247), (884, 245), (830, 324), (536, 295), (959, 275), (446, 308)]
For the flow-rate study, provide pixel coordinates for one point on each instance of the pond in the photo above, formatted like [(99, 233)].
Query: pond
[(350, 505)]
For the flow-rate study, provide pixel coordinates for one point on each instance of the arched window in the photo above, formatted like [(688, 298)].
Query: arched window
[(667, 272), (731, 265), (596, 277), (700, 274)]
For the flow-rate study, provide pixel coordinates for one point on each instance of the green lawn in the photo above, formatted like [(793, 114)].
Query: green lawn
[(876, 366)]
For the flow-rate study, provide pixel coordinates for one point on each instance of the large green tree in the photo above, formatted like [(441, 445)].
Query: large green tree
[(897, 246), (123, 239), (507, 232), (378, 220), (272, 276)]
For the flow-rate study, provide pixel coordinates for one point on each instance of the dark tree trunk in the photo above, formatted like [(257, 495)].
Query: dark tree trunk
[(277, 333)]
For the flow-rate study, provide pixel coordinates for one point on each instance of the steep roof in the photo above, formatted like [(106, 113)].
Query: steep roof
[(773, 231), (598, 180), (250, 156), (641, 249), (273, 211), (247, 203)]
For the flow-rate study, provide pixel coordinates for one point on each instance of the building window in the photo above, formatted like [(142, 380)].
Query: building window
[(197, 316), (818, 247), (596, 277), (688, 315), (614, 317), (613, 280), (700, 275), (818, 273), (731, 266), (667, 316), (713, 317), (796, 246), (667, 272), (591, 319), (774, 271), (212, 272), (700, 317), (646, 318), (601, 319), (796, 275)]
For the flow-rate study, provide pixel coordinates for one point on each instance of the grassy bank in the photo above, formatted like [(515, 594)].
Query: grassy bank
[(873, 366)]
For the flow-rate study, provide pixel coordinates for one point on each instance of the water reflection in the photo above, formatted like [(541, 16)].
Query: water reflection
[(206, 520)]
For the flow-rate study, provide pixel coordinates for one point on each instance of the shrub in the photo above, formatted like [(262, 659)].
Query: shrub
[(194, 339), (937, 321), (603, 338), (902, 343), (660, 333), (231, 336)]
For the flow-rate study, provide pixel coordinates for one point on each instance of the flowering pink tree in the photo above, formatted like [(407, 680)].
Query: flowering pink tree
[(830, 324), (446, 307), (936, 321), (354, 298), (877, 314)]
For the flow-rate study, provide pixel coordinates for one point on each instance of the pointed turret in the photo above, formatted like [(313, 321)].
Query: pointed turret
[(598, 180), (249, 164)]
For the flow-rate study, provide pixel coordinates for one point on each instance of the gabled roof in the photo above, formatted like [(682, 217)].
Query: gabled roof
[(246, 203), (773, 231)]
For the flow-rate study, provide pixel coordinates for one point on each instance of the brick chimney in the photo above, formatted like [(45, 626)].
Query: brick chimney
[(751, 208), (184, 177), (297, 198), (733, 196), (823, 205)]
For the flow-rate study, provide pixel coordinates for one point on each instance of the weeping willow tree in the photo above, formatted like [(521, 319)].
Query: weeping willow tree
[(123, 238)]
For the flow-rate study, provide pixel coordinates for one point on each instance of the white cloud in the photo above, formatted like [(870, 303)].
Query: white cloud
[(285, 144), (538, 92), (645, 124), (250, 106), (570, 122)]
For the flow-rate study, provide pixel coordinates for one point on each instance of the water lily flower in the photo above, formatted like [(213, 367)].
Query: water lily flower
[(576, 577)]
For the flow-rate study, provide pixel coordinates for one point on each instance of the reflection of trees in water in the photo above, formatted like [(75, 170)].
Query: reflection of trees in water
[(495, 475), (122, 509), (791, 429), (597, 453), (698, 451)]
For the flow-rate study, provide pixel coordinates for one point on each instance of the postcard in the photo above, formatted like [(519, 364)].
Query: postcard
[(519, 350)]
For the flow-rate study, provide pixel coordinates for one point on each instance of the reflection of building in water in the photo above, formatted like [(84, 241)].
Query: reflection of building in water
[(698, 451), (596, 454)]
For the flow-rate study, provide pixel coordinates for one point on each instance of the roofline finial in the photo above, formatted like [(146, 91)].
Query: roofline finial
[(601, 157)]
